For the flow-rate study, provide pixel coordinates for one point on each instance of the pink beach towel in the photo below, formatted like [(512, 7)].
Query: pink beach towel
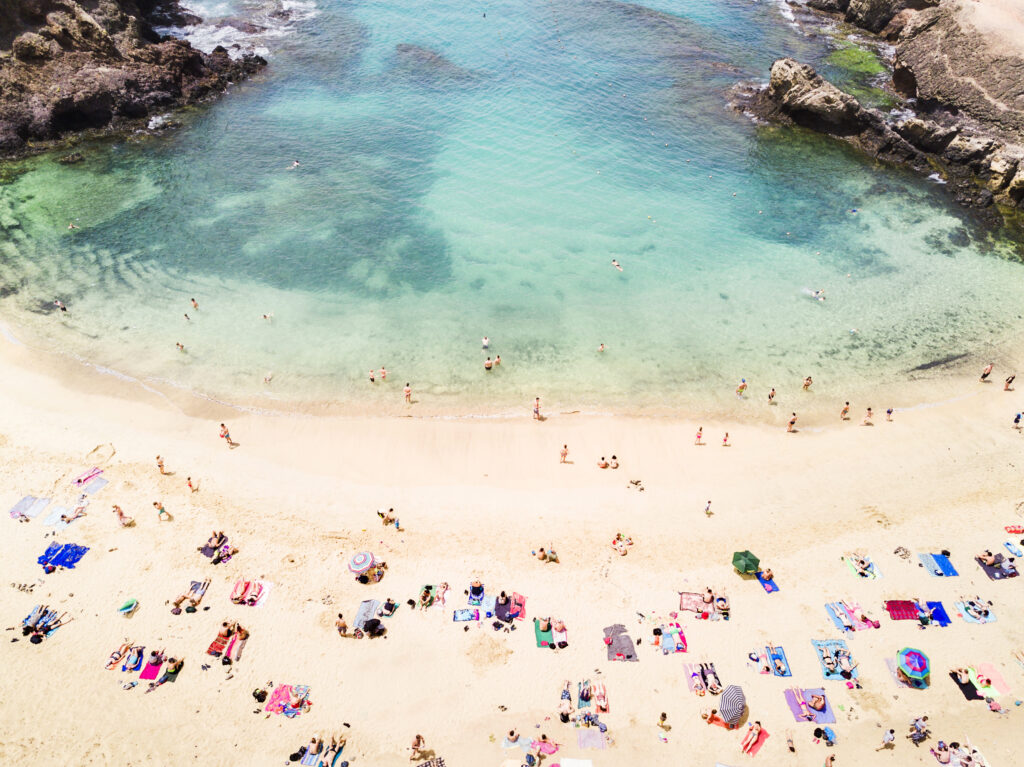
[(151, 671), (692, 601), (279, 698), (861, 625), (519, 603), (987, 669)]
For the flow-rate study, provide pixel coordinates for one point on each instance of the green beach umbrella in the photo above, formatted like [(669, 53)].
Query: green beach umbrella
[(914, 664), (745, 562)]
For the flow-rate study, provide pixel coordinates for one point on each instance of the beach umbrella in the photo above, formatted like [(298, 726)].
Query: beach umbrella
[(914, 663), (732, 704), (361, 562), (745, 562)]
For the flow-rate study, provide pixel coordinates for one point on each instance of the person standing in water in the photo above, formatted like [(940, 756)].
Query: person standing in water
[(194, 304), (742, 387), (844, 414), (807, 383), (407, 391), (536, 409), (373, 376), (497, 360), (383, 374), (59, 304), (488, 364), (601, 348), (791, 424), (486, 342), (986, 372), (771, 396)]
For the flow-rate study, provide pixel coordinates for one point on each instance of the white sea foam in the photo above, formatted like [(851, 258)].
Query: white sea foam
[(936, 178), (270, 20)]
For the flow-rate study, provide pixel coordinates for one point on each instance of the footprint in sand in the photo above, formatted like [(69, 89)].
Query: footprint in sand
[(877, 516)]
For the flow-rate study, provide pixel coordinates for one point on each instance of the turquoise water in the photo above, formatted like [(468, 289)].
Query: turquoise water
[(480, 184)]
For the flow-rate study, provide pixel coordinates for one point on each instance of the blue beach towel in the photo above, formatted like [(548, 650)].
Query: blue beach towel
[(20, 509), (310, 758), (463, 615), (1010, 546), (367, 610), (831, 646), (939, 615), (781, 655), (50, 553), (770, 586), (489, 604), (838, 623), (990, 618), (938, 565), (69, 556), (138, 663)]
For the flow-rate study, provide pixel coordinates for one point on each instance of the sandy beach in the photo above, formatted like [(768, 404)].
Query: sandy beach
[(474, 497)]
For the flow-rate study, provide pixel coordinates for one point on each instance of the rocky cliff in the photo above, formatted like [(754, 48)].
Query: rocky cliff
[(73, 65), (963, 79)]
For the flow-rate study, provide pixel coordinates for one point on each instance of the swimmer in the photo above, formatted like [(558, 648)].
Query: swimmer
[(819, 294), (771, 396), (742, 387), (181, 347), (383, 373), (194, 304), (497, 360), (294, 165), (72, 225), (807, 383), (269, 317), (486, 342), (188, 318), (488, 364), (268, 377), (59, 304), (373, 378), (616, 265), (601, 348)]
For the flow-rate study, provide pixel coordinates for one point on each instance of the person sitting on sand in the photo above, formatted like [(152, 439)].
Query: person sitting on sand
[(545, 555), (1008, 567), (426, 597), (388, 517), (614, 463), (987, 558), (722, 605), (753, 733), (389, 607), (476, 590), (503, 599), (123, 518), (418, 745), (941, 753), (544, 624), (440, 592), (602, 464), (709, 715), (962, 675), (173, 667), (621, 543), (768, 576)]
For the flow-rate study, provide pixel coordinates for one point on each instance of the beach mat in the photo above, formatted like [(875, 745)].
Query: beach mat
[(831, 610), (769, 586), (95, 486), (54, 516), (830, 646), (543, 637), (464, 614), (20, 509), (278, 698), (310, 758), (367, 610), (901, 610), (37, 507), (761, 738), (998, 686), (69, 556), (962, 612), (939, 614), (872, 571), (590, 737), (1014, 549), (580, 702), (937, 565), (489, 605), (968, 689), (995, 572), (692, 601), (827, 716), (620, 646), (519, 603)]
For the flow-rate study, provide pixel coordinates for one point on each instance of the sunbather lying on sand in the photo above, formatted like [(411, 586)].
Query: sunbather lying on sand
[(780, 667), (846, 664), (817, 703), (977, 608), (621, 543), (215, 541), (545, 555), (337, 743), (173, 667), (698, 685), (987, 558), (388, 517), (78, 512), (861, 565), (711, 681), (827, 660)]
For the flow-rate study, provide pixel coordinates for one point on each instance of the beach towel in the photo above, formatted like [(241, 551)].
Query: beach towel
[(967, 688), (61, 524), (770, 586), (872, 571), (589, 737), (54, 516), (460, 616), (827, 716), (938, 565), (87, 476), (488, 605), (37, 508), (51, 551), (620, 645), (95, 486), (998, 686), (781, 655), (995, 572), (891, 665), (831, 646), (543, 637), (600, 697), (581, 702), (523, 744), (560, 639), (68, 556), (151, 671), (831, 610), (519, 606), (311, 758), (21, 508), (939, 615), (901, 610), (671, 639), (278, 698), (761, 738), (694, 602), (1011, 547), (217, 646), (859, 625), (367, 609), (962, 612)]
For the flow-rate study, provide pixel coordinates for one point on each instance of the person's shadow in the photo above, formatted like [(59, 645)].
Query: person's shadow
[(233, 445)]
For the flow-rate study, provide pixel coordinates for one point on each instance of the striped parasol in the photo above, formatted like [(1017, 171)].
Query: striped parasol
[(732, 705), (361, 562)]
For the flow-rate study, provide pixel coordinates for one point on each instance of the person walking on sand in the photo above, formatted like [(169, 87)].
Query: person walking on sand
[(888, 740), (807, 383), (707, 510), (867, 418), (373, 378), (1016, 421), (888, 414), (1008, 383), (771, 396), (725, 440), (191, 488), (700, 436), (536, 409), (161, 512), (160, 464), (226, 435), (564, 454), (791, 424), (407, 391), (986, 372), (844, 414), (742, 387)]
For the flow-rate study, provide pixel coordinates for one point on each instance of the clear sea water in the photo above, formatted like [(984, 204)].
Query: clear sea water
[(471, 169)]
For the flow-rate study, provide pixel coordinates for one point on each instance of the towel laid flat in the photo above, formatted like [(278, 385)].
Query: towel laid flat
[(590, 737), (937, 565), (820, 717), (781, 655), (901, 610), (872, 569), (279, 698), (831, 646), (770, 586), (996, 572), (962, 607), (998, 683), (692, 601), (367, 610), (969, 691), (151, 671), (939, 615), (21, 508), (37, 507), (543, 637), (620, 646), (460, 616), (519, 606)]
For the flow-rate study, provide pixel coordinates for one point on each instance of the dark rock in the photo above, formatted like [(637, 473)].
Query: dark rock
[(829, 6), (812, 101), (925, 134), (873, 15), (242, 26), (968, 150), (32, 47), (71, 159)]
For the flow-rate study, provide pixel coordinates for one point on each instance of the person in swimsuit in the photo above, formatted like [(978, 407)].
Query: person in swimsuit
[(753, 733), (124, 519), (373, 376), (867, 418), (1008, 383), (536, 409), (616, 265), (161, 512), (700, 436), (771, 396), (563, 454), (827, 660), (792, 423), (807, 383), (341, 625), (408, 393), (986, 372), (488, 364), (742, 387), (614, 463), (602, 464), (844, 414), (226, 435)]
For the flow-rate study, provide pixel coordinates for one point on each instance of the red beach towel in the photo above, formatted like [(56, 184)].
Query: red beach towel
[(901, 610)]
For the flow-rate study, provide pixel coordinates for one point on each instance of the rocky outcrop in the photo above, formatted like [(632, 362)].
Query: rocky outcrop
[(73, 65), (964, 85)]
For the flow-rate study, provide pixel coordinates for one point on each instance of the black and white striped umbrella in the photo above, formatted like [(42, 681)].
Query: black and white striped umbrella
[(732, 704)]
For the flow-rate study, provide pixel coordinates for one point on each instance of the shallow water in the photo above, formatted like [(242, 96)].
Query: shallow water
[(471, 170)]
